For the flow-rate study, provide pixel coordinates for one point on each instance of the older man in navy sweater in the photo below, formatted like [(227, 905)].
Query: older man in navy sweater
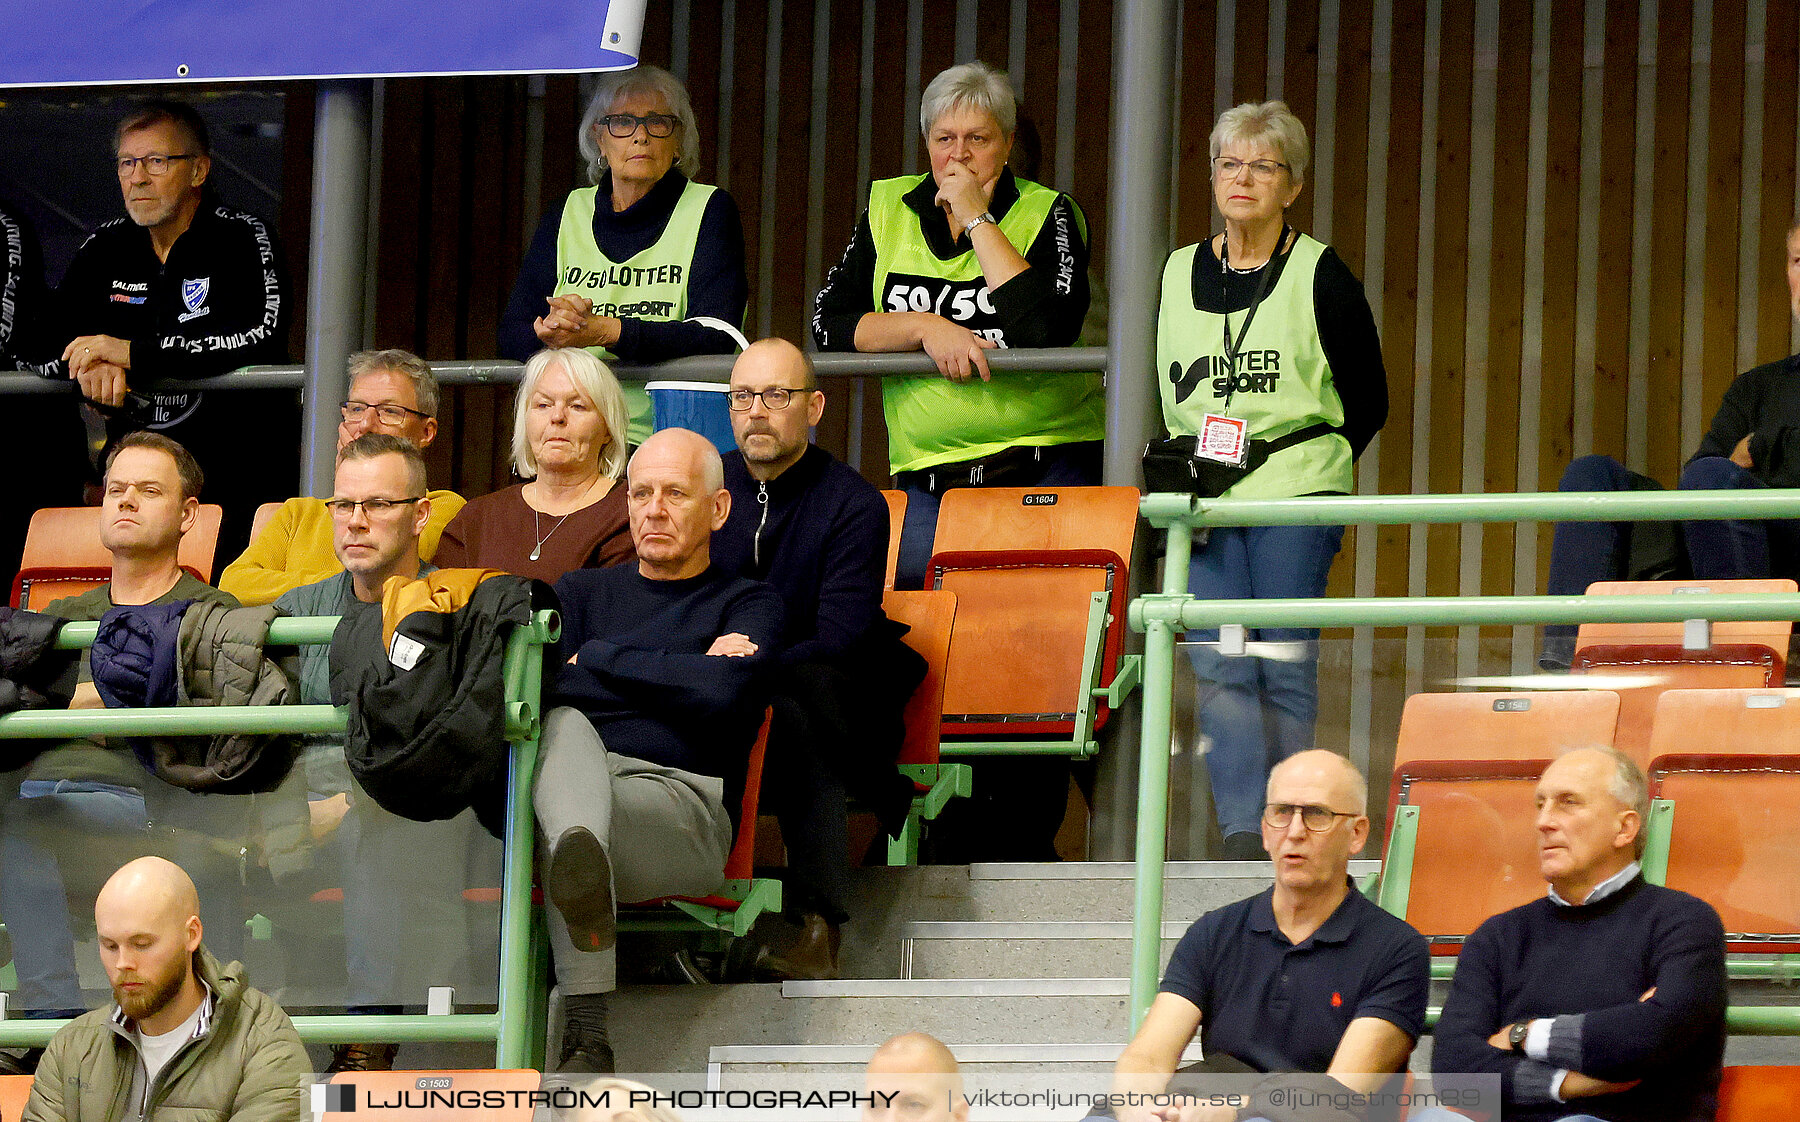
[(660, 701), (1606, 999), (818, 532)]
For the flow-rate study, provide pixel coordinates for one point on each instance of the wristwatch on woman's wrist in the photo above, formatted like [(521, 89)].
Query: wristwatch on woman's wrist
[(984, 216)]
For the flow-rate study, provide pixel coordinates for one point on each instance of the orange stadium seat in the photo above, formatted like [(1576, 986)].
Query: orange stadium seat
[(1504, 726), (1730, 762), (443, 1096), (1025, 564), (1470, 763), (931, 616), (63, 555), (1641, 674), (1773, 634), (1745, 654), (261, 518), (896, 505), (1758, 1094), (1475, 853), (14, 1090)]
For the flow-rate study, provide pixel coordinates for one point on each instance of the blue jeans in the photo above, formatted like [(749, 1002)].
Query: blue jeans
[(1257, 711), (33, 897), (1059, 465), (1584, 552), (1725, 550)]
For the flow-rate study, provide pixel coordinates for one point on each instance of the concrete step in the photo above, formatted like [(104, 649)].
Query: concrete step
[(675, 1028), (885, 900), (1024, 948)]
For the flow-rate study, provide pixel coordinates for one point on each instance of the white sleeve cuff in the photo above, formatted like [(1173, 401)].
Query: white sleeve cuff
[(1556, 1082), (1537, 1042)]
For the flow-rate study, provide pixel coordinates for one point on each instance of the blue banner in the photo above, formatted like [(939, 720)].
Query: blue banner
[(90, 42)]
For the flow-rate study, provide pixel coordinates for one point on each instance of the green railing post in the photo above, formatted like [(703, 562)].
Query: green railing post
[(1162, 616), (1153, 785), (519, 1041), (517, 1027)]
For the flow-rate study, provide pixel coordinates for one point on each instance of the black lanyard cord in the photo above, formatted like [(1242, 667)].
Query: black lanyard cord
[(1262, 290)]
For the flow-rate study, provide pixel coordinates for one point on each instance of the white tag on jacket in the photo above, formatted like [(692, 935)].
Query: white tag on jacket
[(405, 653)]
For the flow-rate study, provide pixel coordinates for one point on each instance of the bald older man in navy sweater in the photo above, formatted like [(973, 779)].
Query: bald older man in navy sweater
[(643, 758), (1606, 999)]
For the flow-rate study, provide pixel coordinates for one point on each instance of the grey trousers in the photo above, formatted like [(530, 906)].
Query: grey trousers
[(665, 831)]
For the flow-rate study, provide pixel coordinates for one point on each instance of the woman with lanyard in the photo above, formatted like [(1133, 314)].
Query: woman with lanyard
[(1268, 357)]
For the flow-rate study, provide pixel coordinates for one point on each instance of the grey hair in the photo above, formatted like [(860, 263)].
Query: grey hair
[(973, 85), (1359, 786), (640, 79), (1270, 123), (416, 369), (1629, 786), (593, 379)]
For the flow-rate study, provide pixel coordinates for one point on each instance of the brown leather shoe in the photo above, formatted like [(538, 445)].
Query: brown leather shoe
[(362, 1057), (811, 957)]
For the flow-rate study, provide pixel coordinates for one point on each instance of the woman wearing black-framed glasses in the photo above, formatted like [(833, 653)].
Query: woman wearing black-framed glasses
[(626, 266)]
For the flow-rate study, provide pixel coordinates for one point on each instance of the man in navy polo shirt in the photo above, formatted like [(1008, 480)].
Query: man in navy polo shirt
[(1308, 976)]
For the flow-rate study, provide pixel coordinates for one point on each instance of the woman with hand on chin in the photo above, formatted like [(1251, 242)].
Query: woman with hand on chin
[(955, 263), (625, 266), (568, 440), (1265, 341)]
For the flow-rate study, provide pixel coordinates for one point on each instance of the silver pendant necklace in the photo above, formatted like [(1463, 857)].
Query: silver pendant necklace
[(538, 549)]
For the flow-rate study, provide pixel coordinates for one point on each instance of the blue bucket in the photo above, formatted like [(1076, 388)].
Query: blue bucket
[(700, 406)]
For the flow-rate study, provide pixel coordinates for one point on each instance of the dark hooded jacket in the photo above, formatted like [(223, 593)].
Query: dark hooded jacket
[(426, 688), (33, 674)]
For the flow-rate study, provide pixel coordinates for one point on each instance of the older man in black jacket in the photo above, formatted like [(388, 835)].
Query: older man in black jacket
[(818, 532)]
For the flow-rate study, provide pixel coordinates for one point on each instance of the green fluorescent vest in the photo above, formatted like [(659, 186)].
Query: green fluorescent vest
[(1283, 380), (652, 285), (931, 420)]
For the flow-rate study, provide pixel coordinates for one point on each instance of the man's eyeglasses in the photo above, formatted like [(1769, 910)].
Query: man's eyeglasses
[(155, 165), (774, 398), (343, 509), (1260, 170), (623, 125), (355, 411), (1318, 819)]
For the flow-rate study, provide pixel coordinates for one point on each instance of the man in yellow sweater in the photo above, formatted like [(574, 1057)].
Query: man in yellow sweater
[(391, 391)]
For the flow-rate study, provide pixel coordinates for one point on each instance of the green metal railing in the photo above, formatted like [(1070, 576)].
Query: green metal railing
[(517, 1027), (1164, 614)]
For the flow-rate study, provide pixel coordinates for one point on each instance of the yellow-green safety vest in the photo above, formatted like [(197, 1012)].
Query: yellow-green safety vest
[(931, 420), (1283, 381), (652, 285)]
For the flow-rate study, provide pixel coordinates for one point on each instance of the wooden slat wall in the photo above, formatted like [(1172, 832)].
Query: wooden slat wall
[(1553, 194)]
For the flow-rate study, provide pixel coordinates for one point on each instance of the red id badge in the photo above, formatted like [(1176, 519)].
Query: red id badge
[(1222, 439)]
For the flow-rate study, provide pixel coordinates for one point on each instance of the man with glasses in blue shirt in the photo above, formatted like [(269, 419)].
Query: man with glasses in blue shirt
[(1306, 976), (183, 287)]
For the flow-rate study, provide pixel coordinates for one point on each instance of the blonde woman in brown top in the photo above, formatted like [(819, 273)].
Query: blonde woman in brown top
[(569, 427)]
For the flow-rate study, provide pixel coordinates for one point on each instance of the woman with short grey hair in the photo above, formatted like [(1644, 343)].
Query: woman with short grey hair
[(628, 268), (956, 262), (1267, 360)]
